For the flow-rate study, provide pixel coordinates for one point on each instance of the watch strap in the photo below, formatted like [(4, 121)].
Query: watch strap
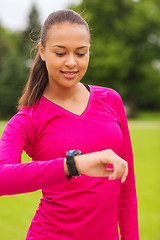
[(71, 162)]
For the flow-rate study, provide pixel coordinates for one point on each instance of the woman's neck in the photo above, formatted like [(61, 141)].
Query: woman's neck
[(60, 93)]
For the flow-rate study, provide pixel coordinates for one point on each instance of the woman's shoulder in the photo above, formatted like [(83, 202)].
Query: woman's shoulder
[(30, 112), (26, 113), (23, 119), (107, 93), (110, 98)]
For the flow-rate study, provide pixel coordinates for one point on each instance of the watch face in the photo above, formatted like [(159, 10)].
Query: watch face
[(74, 152), (71, 152)]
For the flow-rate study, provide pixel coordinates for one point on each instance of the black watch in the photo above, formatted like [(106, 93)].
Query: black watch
[(71, 162)]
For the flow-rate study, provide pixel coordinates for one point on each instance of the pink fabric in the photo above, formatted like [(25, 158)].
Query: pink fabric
[(83, 207)]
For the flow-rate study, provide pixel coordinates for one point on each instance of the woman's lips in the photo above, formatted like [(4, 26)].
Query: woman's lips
[(69, 74)]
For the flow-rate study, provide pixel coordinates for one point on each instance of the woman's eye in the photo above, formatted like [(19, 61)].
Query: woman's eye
[(60, 54), (81, 54)]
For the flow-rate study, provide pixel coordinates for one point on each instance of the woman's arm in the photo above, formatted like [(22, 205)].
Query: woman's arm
[(32, 176), (128, 215), (18, 178), (94, 164)]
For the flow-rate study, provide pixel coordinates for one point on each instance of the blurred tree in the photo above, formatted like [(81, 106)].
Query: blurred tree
[(125, 49), (12, 72), (125, 52), (32, 32), (15, 63), (33, 19)]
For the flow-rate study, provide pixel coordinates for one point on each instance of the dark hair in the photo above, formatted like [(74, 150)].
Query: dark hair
[(38, 78)]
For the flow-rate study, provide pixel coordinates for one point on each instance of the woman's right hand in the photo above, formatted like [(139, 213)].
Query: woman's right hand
[(95, 165)]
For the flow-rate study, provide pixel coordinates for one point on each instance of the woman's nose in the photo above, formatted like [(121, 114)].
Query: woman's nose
[(70, 61)]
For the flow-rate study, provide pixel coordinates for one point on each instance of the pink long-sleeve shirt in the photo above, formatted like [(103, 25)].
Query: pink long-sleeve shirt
[(83, 207)]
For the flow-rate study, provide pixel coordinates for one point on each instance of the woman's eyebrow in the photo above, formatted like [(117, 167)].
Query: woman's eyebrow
[(60, 46), (82, 47)]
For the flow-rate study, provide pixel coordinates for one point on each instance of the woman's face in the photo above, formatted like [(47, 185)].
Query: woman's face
[(66, 53)]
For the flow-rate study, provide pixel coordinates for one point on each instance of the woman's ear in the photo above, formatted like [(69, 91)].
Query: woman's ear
[(41, 51)]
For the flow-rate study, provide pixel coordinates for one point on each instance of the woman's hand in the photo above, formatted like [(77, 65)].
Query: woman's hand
[(95, 165)]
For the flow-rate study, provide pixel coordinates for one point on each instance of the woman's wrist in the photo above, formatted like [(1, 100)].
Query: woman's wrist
[(77, 159), (66, 167)]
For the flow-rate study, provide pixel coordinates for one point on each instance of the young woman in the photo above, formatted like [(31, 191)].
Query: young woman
[(70, 129)]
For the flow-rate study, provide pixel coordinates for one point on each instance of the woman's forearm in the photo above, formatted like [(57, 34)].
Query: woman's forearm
[(95, 164)]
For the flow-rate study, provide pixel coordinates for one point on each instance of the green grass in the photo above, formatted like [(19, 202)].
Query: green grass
[(149, 116), (16, 212), (146, 148)]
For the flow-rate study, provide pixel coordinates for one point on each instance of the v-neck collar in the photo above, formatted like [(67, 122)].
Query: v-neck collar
[(83, 114)]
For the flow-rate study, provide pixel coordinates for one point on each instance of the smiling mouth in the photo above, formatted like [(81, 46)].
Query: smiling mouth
[(69, 74)]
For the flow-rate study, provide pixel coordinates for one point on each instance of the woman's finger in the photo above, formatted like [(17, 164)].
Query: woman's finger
[(120, 171), (125, 173), (108, 172)]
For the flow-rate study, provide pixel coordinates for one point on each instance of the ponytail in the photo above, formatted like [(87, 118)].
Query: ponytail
[(36, 84)]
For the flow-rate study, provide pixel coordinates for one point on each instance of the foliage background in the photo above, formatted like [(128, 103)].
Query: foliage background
[(125, 52), (126, 49)]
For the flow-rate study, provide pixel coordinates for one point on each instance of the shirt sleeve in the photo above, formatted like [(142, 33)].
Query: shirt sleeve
[(15, 177), (127, 214)]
